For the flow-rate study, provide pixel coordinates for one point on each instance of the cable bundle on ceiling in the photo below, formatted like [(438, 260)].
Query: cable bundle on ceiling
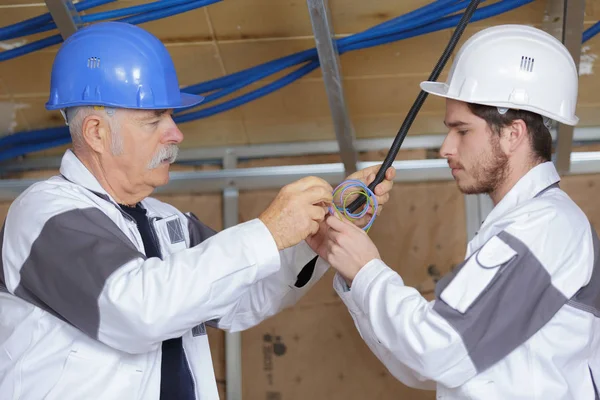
[(439, 15)]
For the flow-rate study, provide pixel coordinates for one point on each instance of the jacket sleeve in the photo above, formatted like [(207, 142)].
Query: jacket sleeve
[(300, 270), (77, 264), (394, 365), (489, 305), (277, 291)]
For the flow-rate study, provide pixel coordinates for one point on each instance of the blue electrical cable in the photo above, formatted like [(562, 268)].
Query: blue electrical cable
[(23, 28), (444, 23), (386, 32), (307, 55), (31, 148), (344, 45), (303, 56), (136, 19), (203, 113), (340, 206), (30, 47), (111, 14), (255, 94), (168, 12), (591, 32), (484, 12)]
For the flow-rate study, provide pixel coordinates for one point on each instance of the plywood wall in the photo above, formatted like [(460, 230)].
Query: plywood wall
[(380, 83)]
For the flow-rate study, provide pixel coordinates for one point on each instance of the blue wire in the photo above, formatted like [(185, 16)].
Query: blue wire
[(293, 59), (31, 148), (167, 12), (30, 47), (483, 13), (343, 44), (203, 113), (105, 15), (263, 91), (21, 28), (444, 23), (591, 32), (278, 65), (350, 184), (136, 19), (142, 8), (243, 78)]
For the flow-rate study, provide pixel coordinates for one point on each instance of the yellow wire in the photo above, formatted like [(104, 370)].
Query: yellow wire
[(344, 201)]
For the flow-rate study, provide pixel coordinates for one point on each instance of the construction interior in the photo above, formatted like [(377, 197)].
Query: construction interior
[(327, 109)]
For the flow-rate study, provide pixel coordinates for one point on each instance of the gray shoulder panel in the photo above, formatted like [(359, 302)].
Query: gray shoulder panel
[(588, 297), (69, 264), (197, 230), (518, 301)]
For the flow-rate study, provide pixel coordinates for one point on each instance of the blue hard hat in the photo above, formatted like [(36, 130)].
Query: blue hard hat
[(115, 64)]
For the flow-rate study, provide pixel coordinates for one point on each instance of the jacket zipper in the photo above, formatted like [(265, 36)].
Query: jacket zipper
[(154, 236), (131, 219), (157, 244), (187, 365)]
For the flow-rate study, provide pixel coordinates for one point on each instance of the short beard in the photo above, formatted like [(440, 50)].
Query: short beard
[(491, 172)]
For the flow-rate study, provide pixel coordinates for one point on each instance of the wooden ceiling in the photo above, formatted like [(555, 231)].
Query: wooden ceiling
[(380, 83)]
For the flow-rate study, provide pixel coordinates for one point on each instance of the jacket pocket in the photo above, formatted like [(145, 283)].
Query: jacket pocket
[(85, 377), (477, 275)]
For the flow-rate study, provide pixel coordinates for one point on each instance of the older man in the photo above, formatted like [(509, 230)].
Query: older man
[(104, 291), (518, 319)]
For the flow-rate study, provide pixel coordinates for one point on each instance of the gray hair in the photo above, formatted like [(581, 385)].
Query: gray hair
[(74, 117)]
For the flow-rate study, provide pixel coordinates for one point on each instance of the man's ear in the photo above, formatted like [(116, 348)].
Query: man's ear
[(515, 135), (95, 133)]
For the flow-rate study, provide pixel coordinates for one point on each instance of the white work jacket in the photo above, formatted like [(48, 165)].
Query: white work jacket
[(83, 311), (518, 319)]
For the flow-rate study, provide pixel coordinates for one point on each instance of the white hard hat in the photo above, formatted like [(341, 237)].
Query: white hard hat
[(514, 66)]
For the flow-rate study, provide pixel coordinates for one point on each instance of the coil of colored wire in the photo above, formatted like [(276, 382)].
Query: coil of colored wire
[(345, 192)]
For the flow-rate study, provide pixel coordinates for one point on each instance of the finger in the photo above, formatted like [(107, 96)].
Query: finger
[(314, 227), (317, 213), (318, 194), (383, 187), (364, 173), (333, 236), (338, 224), (381, 200), (390, 174), (311, 181)]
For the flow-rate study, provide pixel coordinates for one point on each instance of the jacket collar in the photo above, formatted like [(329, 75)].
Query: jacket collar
[(73, 170), (539, 178)]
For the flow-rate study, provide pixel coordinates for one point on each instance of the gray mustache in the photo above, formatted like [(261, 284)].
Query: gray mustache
[(167, 153)]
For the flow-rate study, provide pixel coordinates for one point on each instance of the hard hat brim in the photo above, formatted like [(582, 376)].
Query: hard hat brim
[(441, 89), (435, 88), (187, 101), (190, 100)]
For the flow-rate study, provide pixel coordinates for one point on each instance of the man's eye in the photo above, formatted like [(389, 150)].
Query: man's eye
[(463, 132)]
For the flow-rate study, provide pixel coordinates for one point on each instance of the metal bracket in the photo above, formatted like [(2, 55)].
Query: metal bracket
[(233, 341), (564, 20), (330, 68), (65, 16)]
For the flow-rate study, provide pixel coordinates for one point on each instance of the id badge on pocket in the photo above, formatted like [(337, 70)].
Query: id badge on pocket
[(171, 234)]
